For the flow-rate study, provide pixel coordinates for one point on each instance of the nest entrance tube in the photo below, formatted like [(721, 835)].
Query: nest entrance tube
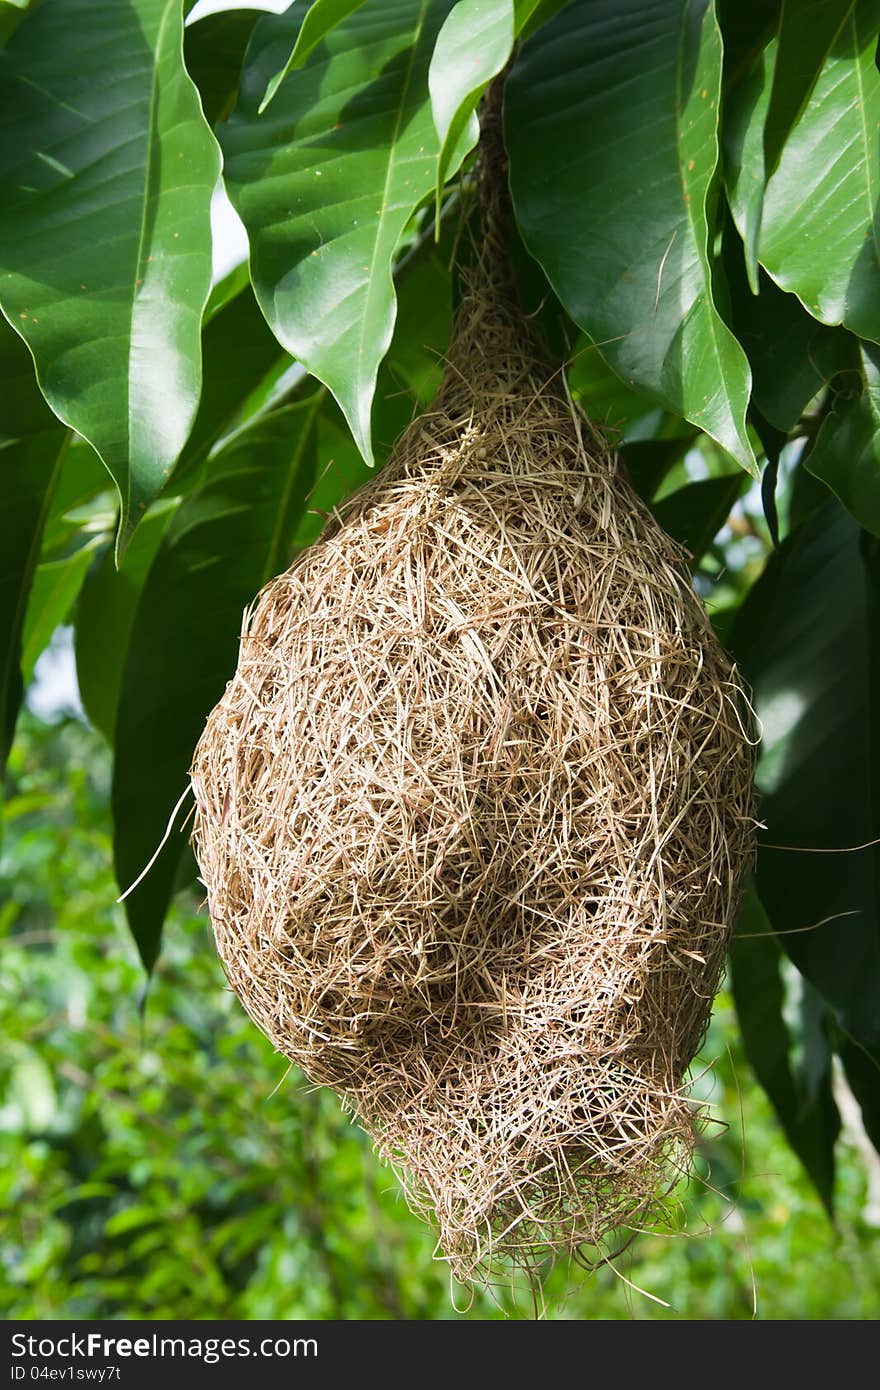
[(474, 814)]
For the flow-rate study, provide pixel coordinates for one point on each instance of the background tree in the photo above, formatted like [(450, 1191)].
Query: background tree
[(695, 186)]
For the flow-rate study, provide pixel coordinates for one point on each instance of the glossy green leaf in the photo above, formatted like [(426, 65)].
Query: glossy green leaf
[(105, 616), (32, 444), (805, 1106), (769, 100), (322, 16), (744, 164), (12, 12), (327, 180), (106, 173), (846, 453), (531, 14), (213, 50), (408, 379), (53, 592), (417, 356), (611, 117), (472, 47), (818, 231), (29, 471), (807, 495), (693, 515), (223, 544), (808, 30), (747, 26), (807, 640), (83, 485), (23, 411), (413, 367), (791, 355), (233, 283), (239, 351)]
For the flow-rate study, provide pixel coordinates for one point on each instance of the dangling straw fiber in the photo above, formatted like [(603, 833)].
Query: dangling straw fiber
[(474, 813)]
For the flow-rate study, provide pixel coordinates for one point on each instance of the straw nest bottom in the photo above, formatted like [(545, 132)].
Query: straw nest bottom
[(473, 816)]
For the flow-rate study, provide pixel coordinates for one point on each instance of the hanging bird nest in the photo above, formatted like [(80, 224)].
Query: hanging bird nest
[(474, 813)]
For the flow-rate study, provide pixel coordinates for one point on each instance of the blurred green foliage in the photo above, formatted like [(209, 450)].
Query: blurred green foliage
[(166, 1166)]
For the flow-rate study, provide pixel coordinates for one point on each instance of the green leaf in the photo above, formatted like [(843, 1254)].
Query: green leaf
[(611, 117), (239, 351), (234, 283), (693, 515), (472, 47), (131, 1219), (747, 27), (32, 1091), (807, 496), (647, 461), (29, 471), (341, 469), (224, 542), (106, 173), (764, 108), (553, 328), (819, 234), (808, 30), (744, 166), (599, 391), (413, 367), (54, 588), (213, 50), (652, 443), (863, 1076), (327, 181), (791, 355), (416, 357), (32, 445), (323, 15), (105, 616), (531, 14), (807, 640), (807, 1113), (846, 453), (82, 486), (12, 12)]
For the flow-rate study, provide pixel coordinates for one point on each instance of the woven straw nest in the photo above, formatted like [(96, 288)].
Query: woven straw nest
[(474, 812)]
